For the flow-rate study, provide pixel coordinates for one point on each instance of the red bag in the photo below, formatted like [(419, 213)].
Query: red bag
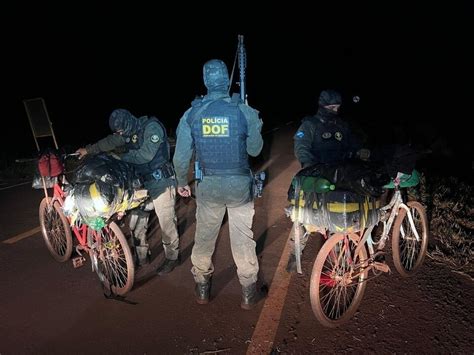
[(50, 164)]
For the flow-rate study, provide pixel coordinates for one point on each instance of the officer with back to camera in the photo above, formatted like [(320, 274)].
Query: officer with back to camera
[(222, 132)]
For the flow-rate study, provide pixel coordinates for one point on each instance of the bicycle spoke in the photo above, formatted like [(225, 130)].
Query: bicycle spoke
[(409, 245), (113, 260), (409, 241), (337, 289), (56, 232)]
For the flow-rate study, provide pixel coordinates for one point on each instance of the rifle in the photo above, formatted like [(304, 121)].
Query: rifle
[(242, 66)]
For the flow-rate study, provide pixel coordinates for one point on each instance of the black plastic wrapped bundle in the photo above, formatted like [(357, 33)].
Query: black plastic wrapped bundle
[(104, 186)]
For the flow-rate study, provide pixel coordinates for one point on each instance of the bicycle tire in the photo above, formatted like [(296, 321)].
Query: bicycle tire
[(55, 230), (334, 295), (115, 266), (408, 254)]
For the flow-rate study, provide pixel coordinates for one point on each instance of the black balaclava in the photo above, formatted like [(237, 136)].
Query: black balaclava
[(328, 97), (121, 119), (216, 76)]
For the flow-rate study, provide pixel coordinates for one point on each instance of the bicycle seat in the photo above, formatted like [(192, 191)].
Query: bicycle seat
[(405, 180)]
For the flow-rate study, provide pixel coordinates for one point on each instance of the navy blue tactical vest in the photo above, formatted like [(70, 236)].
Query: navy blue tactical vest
[(331, 140), (161, 157), (219, 130)]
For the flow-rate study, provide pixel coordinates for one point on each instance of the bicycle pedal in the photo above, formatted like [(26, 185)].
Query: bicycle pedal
[(381, 266), (78, 261)]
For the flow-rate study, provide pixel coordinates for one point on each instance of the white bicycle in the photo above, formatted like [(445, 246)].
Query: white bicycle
[(343, 265)]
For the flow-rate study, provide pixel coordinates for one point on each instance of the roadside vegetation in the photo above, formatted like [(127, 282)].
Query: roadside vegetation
[(450, 206)]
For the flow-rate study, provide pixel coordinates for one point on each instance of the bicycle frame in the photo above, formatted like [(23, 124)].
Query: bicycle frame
[(88, 238), (340, 271), (392, 208), (80, 231)]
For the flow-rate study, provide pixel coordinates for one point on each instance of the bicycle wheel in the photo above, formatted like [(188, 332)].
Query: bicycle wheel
[(338, 280), (55, 229), (409, 253), (114, 260)]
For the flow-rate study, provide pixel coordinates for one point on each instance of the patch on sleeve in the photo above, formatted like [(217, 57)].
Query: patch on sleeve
[(155, 138), (299, 134)]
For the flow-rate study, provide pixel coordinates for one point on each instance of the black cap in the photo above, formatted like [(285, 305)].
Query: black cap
[(329, 97)]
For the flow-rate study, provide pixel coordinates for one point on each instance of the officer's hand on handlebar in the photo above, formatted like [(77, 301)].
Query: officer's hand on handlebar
[(184, 191), (82, 152)]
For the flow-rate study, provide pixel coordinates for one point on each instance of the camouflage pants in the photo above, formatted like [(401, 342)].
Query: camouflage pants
[(165, 210), (164, 206), (138, 225), (209, 216)]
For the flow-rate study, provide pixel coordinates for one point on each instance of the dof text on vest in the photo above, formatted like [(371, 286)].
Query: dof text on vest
[(220, 132)]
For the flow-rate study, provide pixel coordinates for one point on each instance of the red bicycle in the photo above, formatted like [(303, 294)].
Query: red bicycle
[(110, 254)]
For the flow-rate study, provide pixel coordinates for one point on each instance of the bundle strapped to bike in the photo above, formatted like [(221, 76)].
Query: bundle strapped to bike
[(335, 211)]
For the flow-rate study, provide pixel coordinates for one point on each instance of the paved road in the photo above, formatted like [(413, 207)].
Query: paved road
[(51, 308)]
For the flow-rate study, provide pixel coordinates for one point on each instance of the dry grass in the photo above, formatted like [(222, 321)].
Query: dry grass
[(451, 212)]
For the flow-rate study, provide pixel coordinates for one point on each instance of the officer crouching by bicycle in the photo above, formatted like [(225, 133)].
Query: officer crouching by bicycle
[(148, 150)]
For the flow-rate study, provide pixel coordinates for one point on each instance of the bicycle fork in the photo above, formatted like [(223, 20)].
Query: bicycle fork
[(412, 223)]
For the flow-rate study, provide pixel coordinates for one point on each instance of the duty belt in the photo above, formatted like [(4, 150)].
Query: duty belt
[(163, 172), (236, 171)]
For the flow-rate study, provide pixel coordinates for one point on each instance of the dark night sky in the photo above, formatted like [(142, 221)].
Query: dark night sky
[(407, 64)]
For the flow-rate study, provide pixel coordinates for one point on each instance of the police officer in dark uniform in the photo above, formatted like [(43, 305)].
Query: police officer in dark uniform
[(221, 131), (147, 148), (324, 138)]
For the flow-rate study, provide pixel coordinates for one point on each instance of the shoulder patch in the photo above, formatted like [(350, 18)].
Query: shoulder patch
[(155, 138), (299, 134)]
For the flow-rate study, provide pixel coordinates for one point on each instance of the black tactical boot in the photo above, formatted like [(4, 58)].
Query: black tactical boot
[(203, 291), (250, 296), (291, 266), (167, 266)]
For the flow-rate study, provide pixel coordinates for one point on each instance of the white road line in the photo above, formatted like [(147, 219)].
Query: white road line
[(9, 187), (269, 319), (23, 235)]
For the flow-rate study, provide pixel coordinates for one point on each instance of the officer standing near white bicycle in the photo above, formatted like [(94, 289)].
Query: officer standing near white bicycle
[(324, 138), (148, 150)]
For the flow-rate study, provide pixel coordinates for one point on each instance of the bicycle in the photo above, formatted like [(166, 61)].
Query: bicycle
[(341, 269), (110, 254)]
